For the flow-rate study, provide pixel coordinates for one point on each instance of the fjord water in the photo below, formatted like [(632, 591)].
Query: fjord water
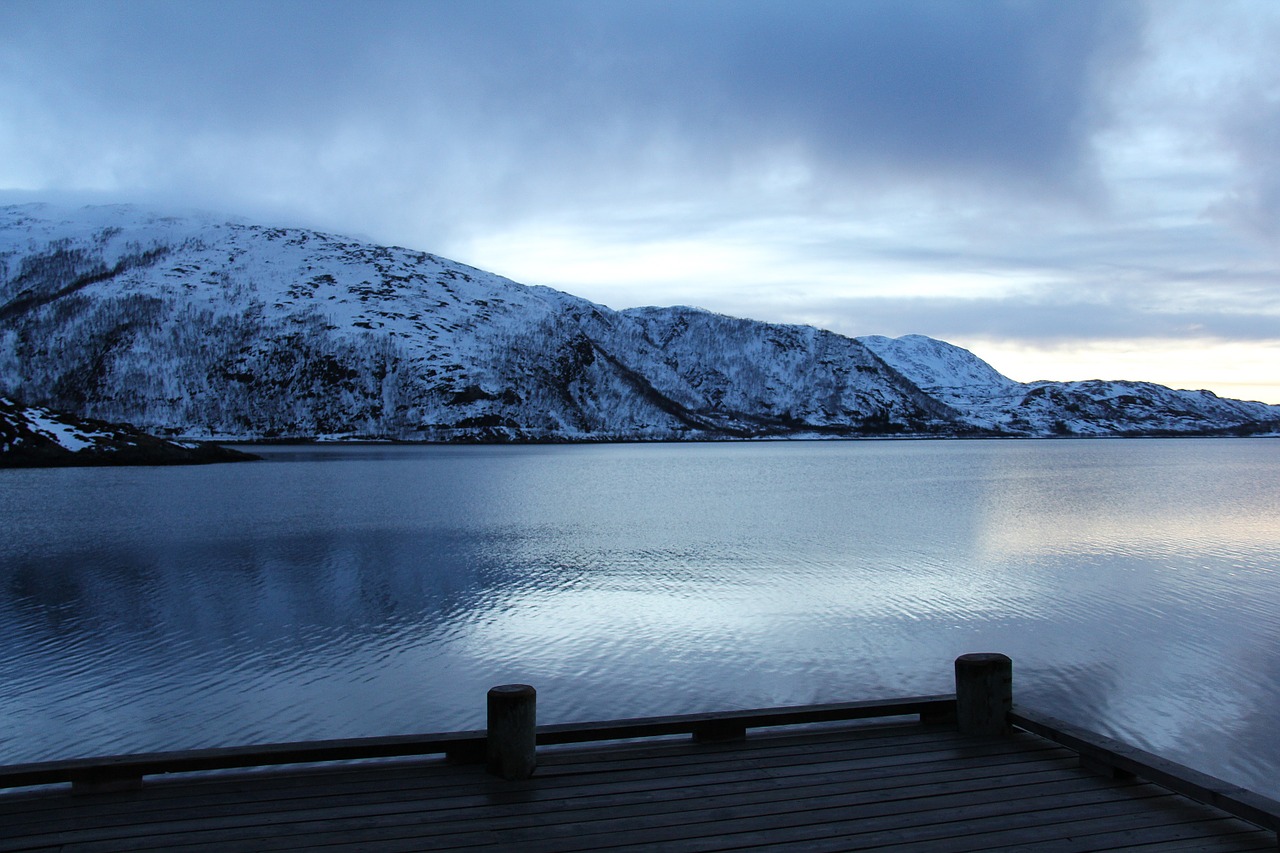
[(370, 590)]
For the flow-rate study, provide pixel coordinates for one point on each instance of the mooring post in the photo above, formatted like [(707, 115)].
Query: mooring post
[(510, 743), (984, 694)]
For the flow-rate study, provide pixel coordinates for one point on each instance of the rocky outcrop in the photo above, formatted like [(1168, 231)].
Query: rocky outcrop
[(35, 437)]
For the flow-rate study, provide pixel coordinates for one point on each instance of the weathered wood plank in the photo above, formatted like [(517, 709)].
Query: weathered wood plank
[(595, 790), (862, 754), (1197, 833), (856, 831), (913, 740), (908, 787), (592, 788), (1209, 837), (719, 833), (1088, 834), (92, 771), (1232, 799), (871, 755), (554, 836), (1224, 841), (671, 805), (591, 793), (756, 718), (442, 778), (222, 758)]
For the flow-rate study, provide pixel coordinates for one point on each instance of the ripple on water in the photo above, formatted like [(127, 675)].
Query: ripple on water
[(1134, 583)]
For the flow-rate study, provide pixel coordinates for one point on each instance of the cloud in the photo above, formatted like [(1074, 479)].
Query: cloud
[(1041, 320), (493, 110), (1197, 124), (1095, 170), (963, 90), (1254, 202)]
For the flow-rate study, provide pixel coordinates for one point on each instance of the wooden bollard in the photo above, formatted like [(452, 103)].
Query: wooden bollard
[(510, 743), (984, 694)]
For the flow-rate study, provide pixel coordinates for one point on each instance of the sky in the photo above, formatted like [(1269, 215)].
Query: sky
[(1071, 190)]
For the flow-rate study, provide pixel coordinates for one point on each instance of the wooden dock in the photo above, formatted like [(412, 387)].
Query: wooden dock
[(895, 774)]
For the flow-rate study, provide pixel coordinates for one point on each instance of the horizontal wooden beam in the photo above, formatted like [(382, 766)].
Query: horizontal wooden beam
[(1101, 750), (91, 770), (797, 715), (113, 772), (123, 771)]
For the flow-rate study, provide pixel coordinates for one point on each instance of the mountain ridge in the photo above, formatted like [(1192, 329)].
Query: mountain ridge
[(202, 326)]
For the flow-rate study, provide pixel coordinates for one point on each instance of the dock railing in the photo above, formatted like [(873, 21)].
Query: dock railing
[(982, 707), (122, 772)]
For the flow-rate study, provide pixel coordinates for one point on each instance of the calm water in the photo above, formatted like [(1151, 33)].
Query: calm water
[(340, 592)]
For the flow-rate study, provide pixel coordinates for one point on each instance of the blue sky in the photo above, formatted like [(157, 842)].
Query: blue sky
[(1070, 189)]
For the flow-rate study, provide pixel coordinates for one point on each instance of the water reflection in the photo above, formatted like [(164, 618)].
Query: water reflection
[(355, 591)]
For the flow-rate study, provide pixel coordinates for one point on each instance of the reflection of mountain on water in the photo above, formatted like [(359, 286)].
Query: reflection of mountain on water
[(380, 590), (279, 637), (286, 594)]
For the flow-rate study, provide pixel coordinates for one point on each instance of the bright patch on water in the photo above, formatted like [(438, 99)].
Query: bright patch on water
[(346, 591)]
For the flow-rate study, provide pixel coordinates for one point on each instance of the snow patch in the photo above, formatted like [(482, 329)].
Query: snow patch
[(69, 437)]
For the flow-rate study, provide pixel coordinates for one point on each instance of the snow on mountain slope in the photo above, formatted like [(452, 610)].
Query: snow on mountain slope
[(990, 400), (937, 366), (795, 378), (194, 325)]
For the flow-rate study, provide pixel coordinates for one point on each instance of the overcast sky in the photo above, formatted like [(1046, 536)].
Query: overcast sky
[(1070, 189)]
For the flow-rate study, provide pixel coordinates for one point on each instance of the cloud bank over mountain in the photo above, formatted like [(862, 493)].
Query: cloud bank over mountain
[(1037, 180)]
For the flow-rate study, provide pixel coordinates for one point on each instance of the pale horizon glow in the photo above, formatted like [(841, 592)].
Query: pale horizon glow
[(1070, 191), (1185, 365)]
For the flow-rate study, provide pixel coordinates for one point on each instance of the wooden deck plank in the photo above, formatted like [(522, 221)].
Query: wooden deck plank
[(926, 828), (95, 770), (409, 769), (624, 778), (1211, 837), (1197, 833), (903, 787), (438, 773), (674, 806), (333, 830), (1224, 842), (536, 820), (1021, 770), (592, 795), (657, 828), (1121, 756), (872, 824), (1097, 834)]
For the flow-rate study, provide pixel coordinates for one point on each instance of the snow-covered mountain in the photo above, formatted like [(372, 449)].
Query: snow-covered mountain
[(990, 400), (199, 326)]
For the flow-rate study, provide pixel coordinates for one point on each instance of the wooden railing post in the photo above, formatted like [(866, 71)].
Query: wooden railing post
[(984, 694), (510, 743)]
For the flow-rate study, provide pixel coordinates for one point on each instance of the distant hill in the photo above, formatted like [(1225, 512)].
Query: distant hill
[(990, 400), (33, 436), (197, 326)]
